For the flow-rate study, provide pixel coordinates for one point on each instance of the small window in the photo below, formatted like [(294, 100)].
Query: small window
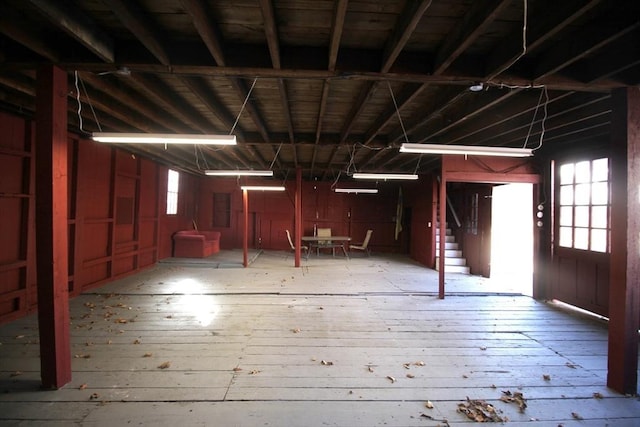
[(221, 210), (173, 183), (584, 205)]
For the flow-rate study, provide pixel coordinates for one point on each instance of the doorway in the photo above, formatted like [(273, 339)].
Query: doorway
[(512, 238)]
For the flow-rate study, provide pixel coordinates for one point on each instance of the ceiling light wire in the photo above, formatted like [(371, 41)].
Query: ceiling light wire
[(78, 101), (524, 40), (415, 171), (533, 120), (544, 118), (93, 111), (246, 99), (275, 157), (395, 104)]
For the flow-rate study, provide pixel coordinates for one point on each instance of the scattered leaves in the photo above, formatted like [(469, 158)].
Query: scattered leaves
[(327, 363), (419, 363), (407, 365), (121, 320), (82, 356), (480, 411), (493, 386), (598, 395), (237, 369), (94, 396), (89, 305), (577, 416), (515, 397), (19, 337), (164, 365), (546, 377), (254, 371), (464, 376), (137, 342), (483, 348), (428, 404), (88, 344), (15, 373), (410, 376), (370, 368), (147, 355), (295, 330), (390, 378), (82, 386)]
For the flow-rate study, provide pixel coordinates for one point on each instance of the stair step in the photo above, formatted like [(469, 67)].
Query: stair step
[(452, 253), (447, 231), (446, 238), (454, 269), (452, 261)]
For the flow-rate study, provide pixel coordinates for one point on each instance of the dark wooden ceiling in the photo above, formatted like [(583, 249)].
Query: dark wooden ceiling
[(331, 86)]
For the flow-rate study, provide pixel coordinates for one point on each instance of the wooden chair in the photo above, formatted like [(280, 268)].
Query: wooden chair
[(293, 247), (364, 246)]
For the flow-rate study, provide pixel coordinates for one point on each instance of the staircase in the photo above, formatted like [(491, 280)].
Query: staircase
[(453, 260)]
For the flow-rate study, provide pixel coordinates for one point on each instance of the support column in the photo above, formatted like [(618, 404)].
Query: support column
[(245, 228), (442, 230), (624, 279), (52, 246), (298, 216)]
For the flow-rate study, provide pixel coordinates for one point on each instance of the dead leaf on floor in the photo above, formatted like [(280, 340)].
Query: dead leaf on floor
[(82, 386), (82, 356), (254, 371), (598, 395), (410, 376), (370, 368), (327, 363), (428, 404), (571, 365), (94, 396), (237, 369), (546, 377), (480, 411), (493, 386), (164, 365), (147, 355), (515, 397), (120, 320), (19, 337), (464, 376), (390, 378), (89, 305), (169, 316), (137, 342), (406, 365), (109, 342), (419, 363), (576, 416), (88, 343), (483, 348), (295, 330), (15, 374)]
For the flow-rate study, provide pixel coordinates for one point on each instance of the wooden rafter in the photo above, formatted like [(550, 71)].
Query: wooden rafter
[(136, 22), (79, 26), (9, 25), (206, 29)]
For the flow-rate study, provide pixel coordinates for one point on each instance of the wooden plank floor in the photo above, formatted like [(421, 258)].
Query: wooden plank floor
[(360, 342)]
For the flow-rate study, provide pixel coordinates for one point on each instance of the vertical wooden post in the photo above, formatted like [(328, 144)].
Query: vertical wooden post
[(624, 279), (442, 227), (298, 216), (52, 247), (245, 228)]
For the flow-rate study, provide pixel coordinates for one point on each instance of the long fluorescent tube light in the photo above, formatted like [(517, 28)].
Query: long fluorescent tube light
[(470, 150), (163, 138), (233, 172), (356, 190), (384, 176), (262, 188)]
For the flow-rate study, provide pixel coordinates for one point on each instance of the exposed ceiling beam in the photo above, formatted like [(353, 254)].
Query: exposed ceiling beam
[(405, 26), (9, 25), (141, 27), (78, 26), (474, 23), (271, 32), (206, 29)]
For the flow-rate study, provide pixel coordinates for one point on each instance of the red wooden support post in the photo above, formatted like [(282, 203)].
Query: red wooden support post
[(442, 227), (52, 247), (245, 228), (298, 215), (624, 279)]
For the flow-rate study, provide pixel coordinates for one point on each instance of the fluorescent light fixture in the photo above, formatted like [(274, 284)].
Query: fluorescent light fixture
[(262, 188), (470, 150), (384, 176), (163, 138), (233, 172), (356, 190)]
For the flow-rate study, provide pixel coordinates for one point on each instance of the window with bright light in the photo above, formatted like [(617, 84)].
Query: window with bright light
[(584, 205), (173, 181)]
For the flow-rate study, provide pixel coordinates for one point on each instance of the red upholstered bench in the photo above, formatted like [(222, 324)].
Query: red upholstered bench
[(195, 243)]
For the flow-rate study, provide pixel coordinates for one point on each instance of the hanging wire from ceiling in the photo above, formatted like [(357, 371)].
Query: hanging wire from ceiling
[(524, 40), (543, 93), (246, 99), (275, 157), (395, 104)]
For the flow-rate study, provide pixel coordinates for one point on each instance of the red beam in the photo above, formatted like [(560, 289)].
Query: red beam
[(298, 215), (245, 228), (51, 227), (624, 287)]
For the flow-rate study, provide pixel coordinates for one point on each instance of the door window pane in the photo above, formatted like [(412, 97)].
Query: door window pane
[(566, 174), (566, 215), (582, 216), (566, 195), (600, 193), (583, 172), (599, 218), (581, 239), (599, 240), (566, 237), (582, 194), (600, 170)]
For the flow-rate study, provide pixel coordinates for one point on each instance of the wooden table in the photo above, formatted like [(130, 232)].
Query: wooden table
[(332, 242)]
